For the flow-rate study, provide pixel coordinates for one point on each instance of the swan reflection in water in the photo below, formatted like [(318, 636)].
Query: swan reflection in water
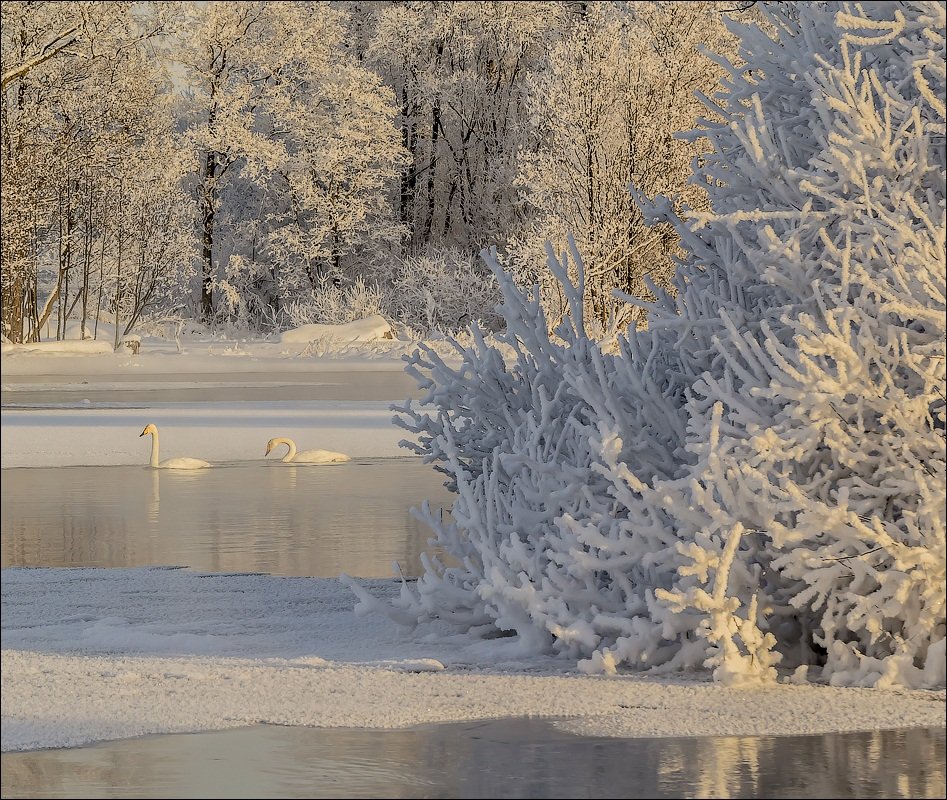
[(154, 505)]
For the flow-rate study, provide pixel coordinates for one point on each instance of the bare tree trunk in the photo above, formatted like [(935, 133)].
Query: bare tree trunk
[(14, 286), (208, 211), (118, 263), (409, 175), (67, 267), (13, 309), (87, 258), (435, 129), (336, 250), (447, 213), (98, 299), (432, 169)]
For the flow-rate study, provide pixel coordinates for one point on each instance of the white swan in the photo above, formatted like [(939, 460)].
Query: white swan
[(306, 456), (169, 463)]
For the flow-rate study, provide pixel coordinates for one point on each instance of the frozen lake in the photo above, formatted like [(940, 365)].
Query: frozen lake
[(496, 758), (283, 519), (134, 388)]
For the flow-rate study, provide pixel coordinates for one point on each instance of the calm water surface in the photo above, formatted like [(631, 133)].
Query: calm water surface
[(283, 519), (502, 758)]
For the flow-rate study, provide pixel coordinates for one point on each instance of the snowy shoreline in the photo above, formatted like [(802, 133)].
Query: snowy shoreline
[(90, 655), (97, 654)]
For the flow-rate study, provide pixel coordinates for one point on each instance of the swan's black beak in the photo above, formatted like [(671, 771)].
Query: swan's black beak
[(141, 434)]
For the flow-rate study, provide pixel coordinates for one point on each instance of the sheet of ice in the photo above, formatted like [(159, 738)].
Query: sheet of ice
[(94, 654), (216, 432)]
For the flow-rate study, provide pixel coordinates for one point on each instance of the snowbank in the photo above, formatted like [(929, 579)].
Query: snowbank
[(362, 330)]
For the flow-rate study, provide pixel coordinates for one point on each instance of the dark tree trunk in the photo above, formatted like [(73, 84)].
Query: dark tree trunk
[(409, 175), (208, 210)]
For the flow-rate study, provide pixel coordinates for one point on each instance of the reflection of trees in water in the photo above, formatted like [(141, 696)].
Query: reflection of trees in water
[(867, 764), (67, 534), (491, 758), (906, 763), (277, 518), (718, 767), (99, 772)]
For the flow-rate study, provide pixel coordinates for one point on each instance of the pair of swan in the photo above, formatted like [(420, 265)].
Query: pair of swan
[(292, 456)]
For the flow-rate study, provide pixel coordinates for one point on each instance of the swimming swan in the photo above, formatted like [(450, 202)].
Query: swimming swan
[(169, 463), (306, 456)]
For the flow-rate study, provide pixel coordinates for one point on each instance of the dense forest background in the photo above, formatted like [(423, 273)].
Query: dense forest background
[(252, 166)]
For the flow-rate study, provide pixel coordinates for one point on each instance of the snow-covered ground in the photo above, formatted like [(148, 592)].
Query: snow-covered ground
[(200, 355), (96, 654)]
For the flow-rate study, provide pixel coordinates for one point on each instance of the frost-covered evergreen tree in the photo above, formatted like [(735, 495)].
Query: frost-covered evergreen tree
[(757, 479)]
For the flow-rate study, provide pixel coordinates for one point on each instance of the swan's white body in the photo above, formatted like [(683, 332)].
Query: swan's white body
[(169, 463), (306, 456)]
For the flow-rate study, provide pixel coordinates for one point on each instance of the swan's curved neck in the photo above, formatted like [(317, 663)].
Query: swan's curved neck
[(291, 453), (154, 449)]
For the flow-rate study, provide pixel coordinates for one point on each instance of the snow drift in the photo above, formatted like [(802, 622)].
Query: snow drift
[(361, 330)]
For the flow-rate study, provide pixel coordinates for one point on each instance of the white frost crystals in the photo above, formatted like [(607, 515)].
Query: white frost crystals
[(756, 481)]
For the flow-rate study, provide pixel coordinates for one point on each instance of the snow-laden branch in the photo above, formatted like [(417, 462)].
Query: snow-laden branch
[(51, 49)]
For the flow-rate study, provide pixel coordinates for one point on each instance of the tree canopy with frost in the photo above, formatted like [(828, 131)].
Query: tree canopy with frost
[(295, 144), (754, 483), (619, 84)]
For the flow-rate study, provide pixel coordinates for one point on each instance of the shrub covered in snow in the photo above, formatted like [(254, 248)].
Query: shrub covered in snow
[(334, 302), (757, 479), (439, 291), (443, 290)]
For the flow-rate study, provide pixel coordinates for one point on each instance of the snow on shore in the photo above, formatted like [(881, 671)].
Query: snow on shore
[(363, 330), (97, 654), (199, 356)]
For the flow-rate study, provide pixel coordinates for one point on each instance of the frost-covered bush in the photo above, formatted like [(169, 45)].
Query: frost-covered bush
[(757, 479), (438, 291), (336, 303), (442, 290), (818, 281), (516, 439)]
